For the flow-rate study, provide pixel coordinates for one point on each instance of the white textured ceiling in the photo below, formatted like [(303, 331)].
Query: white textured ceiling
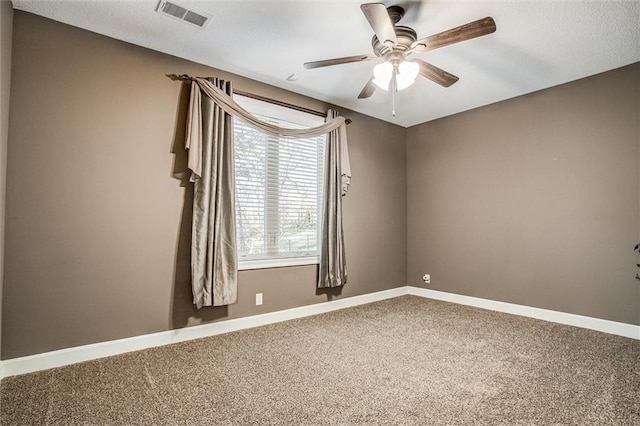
[(538, 44)]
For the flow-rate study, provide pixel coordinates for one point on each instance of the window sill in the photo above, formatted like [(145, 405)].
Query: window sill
[(244, 265)]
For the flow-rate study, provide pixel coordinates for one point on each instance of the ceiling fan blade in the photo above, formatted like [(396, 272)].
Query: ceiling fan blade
[(368, 89), (435, 74), (455, 35), (378, 17), (338, 61)]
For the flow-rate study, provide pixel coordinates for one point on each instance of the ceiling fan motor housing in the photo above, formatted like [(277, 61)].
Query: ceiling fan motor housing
[(405, 36)]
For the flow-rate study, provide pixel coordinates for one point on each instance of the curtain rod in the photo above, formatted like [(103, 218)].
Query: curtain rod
[(186, 77)]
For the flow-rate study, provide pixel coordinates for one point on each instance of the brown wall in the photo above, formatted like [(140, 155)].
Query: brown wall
[(6, 30), (534, 200), (97, 241)]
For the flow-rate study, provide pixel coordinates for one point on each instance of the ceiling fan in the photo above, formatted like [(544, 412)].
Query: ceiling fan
[(394, 43)]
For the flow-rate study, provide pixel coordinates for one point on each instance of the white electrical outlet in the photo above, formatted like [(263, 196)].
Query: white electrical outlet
[(258, 299), (426, 278)]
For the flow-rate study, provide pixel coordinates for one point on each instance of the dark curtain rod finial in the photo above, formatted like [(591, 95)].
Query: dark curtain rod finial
[(182, 77)]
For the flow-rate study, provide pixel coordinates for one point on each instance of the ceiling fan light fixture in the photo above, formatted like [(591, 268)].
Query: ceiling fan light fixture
[(405, 74)]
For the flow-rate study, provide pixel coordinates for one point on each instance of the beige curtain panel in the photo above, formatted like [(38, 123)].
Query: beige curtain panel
[(333, 263), (209, 139)]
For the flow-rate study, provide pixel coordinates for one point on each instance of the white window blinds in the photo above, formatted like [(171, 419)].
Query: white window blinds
[(278, 189)]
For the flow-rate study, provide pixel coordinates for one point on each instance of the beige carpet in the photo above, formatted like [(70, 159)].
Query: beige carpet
[(404, 361)]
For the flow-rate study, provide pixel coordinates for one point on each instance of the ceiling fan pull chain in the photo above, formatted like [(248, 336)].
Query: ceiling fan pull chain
[(393, 103), (394, 89)]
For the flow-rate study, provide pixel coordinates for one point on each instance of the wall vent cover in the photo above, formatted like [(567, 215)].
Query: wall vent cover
[(177, 11)]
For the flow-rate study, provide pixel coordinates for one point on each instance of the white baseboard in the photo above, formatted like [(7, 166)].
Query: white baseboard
[(43, 361), (605, 326)]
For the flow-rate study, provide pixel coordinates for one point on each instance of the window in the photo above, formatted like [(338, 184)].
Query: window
[(278, 189)]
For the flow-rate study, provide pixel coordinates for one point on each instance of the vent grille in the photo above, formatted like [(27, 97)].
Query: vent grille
[(195, 18), (183, 14)]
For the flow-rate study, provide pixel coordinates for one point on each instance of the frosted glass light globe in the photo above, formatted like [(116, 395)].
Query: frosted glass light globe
[(382, 74), (407, 73)]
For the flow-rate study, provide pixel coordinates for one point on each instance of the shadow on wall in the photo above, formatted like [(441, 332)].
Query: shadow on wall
[(329, 292), (183, 312)]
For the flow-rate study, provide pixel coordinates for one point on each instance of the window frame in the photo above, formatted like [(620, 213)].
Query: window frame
[(259, 107)]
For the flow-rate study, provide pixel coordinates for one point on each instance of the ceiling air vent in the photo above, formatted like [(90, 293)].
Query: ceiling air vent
[(176, 11)]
